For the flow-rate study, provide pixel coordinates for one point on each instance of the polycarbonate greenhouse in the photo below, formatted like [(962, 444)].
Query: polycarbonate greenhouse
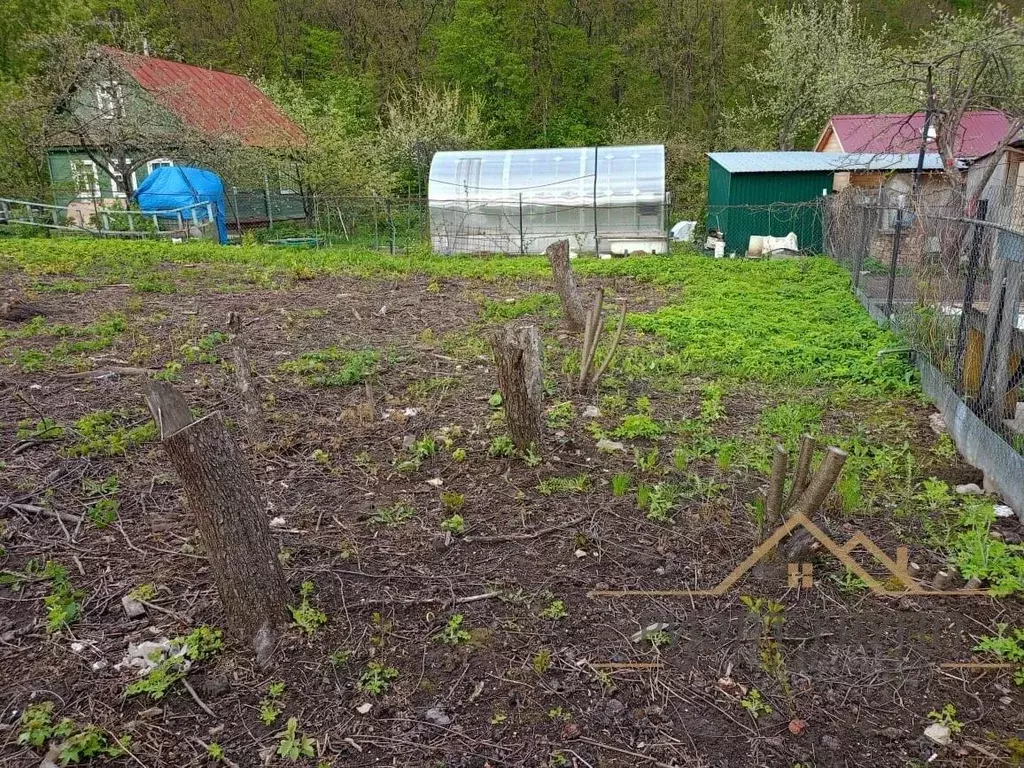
[(522, 200)]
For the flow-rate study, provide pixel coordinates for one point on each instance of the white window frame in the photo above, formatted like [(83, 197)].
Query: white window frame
[(116, 193), (109, 95), (281, 186), (159, 162), (77, 168)]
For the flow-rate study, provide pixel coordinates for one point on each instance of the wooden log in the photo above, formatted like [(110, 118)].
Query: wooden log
[(780, 465), (822, 481), (565, 284), (518, 364), (231, 517), (248, 389)]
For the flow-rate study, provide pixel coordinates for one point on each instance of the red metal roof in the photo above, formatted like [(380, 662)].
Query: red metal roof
[(215, 103), (979, 133)]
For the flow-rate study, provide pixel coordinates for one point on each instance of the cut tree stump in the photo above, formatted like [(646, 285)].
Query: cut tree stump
[(17, 310), (803, 467), (821, 482), (518, 364), (248, 390), (231, 517), (565, 284), (780, 465)]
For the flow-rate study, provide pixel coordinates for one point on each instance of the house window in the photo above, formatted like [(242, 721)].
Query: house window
[(286, 184), (116, 185), (160, 162), (109, 98), (87, 182)]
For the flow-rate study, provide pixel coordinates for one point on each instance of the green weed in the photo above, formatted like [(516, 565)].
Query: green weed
[(201, 643), (307, 618), (453, 633), (292, 745), (376, 679), (332, 367), (621, 484), (1007, 645), (102, 433), (501, 445), (395, 515), (556, 486), (75, 743)]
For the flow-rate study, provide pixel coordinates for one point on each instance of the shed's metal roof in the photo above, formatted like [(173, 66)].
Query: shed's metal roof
[(774, 162)]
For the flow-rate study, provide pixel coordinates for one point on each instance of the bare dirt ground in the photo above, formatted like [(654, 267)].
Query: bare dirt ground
[(546, 675)]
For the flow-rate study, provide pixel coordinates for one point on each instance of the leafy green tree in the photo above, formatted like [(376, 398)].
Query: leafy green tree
[(815, 61)]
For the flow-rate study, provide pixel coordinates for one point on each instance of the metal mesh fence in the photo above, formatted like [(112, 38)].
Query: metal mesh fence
[(948, 276), (487, 226)]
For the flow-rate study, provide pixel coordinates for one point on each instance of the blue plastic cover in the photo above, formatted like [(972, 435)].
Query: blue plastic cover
[(169, 188)]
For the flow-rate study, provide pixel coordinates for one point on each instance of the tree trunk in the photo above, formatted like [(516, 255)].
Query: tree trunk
[(565, 284), (229, 510), (247, 387), (518, 362)]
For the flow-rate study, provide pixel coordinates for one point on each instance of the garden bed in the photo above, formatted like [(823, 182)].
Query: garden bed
[(448, 618)]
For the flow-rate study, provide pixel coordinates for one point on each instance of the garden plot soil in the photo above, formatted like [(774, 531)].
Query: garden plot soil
[(532, 685)]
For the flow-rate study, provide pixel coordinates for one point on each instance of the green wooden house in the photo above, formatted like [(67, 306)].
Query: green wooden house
[(132, 113)]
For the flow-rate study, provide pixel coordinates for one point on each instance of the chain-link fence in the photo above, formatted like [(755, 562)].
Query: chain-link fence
[(948, 275), (485, 226)]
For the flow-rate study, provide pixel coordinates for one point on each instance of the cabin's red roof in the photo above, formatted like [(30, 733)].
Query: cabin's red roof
[(215, 103), (979, 133)]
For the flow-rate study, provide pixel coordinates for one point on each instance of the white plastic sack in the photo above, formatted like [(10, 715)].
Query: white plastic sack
[(776, 244), (682, 231)]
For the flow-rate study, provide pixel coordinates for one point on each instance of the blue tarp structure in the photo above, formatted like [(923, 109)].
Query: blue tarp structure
[(169, 188)]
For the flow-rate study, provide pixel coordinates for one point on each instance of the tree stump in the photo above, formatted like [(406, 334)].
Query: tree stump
[(565, 284), (519, 365), (780, 465), (821, 482), (248, 390), (17, 310), (229, 511)]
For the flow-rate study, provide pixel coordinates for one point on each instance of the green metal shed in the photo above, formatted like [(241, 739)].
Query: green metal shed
[(753, 193), (744, 188)]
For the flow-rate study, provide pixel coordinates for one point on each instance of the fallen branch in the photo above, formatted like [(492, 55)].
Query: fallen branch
[(200, 702), (525, 536), (122, 370), (65, 516)]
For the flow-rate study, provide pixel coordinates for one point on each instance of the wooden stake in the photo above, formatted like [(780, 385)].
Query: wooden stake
[(565, 284), (611, 349), (780, 465), (230, 514), (591, 334), (247, 388), (518, 364), (822, 481)]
